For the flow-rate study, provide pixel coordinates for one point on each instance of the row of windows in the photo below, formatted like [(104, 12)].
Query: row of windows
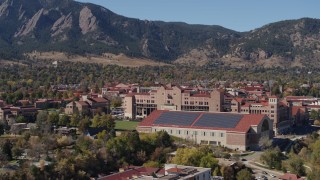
[(264, 111), (148, 101), (204, 142), (187, 132), (200, 103)]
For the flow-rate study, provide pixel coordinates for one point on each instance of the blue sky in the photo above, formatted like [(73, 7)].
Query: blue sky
[(240, 15)]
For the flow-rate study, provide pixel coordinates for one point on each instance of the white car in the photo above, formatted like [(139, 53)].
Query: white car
[(272, 175)]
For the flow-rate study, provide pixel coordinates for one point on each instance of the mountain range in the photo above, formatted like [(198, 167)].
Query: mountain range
[(86, 29)]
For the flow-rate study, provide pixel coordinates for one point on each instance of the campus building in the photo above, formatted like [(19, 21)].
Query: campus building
[(278, 112), (175, 98), (169, 172), (235, 131)]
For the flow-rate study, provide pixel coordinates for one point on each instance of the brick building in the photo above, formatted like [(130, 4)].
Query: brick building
[(235, 131), (169, 172), (278, 112)]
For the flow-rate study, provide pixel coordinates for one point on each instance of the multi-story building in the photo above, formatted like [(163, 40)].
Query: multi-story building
[(76, 106), (302, 100), (278, 112), (172, 98), (232, 130), (89, 105), (10, 112)]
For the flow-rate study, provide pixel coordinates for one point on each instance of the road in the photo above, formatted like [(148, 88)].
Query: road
[(284, 142), (257, 169)]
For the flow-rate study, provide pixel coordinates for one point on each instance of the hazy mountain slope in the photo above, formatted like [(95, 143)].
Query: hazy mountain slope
[(79, 28)]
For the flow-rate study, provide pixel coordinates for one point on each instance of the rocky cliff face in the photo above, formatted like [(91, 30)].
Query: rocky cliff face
[(63, 23), (87, 21), (79, 28)]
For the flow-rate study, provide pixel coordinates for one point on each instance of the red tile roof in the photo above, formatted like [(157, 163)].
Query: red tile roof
[(246, 105), (289, 176), (82, 103), (295, 110), (243, 125), (174, 170), (253, 89), (239, 100)]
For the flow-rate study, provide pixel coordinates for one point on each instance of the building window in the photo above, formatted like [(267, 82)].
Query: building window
[(195, 133), (203, 142), (206, 103), (221, 134), (213, 142), (178, 132), (171, 131), (203, 133), (212, 133), (200, 103)]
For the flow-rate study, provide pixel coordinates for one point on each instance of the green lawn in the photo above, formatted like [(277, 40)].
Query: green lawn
[(126, 125)]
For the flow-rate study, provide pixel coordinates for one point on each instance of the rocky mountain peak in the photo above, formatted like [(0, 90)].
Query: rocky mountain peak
[(84, 28), (87, 21)]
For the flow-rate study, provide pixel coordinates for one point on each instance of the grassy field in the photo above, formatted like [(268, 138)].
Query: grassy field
[(126, 125)]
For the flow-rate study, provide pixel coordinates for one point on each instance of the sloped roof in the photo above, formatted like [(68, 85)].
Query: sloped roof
[(82, 103), (131, 173), (174, 170), (289, 176), (202, 120), (296, 109)]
